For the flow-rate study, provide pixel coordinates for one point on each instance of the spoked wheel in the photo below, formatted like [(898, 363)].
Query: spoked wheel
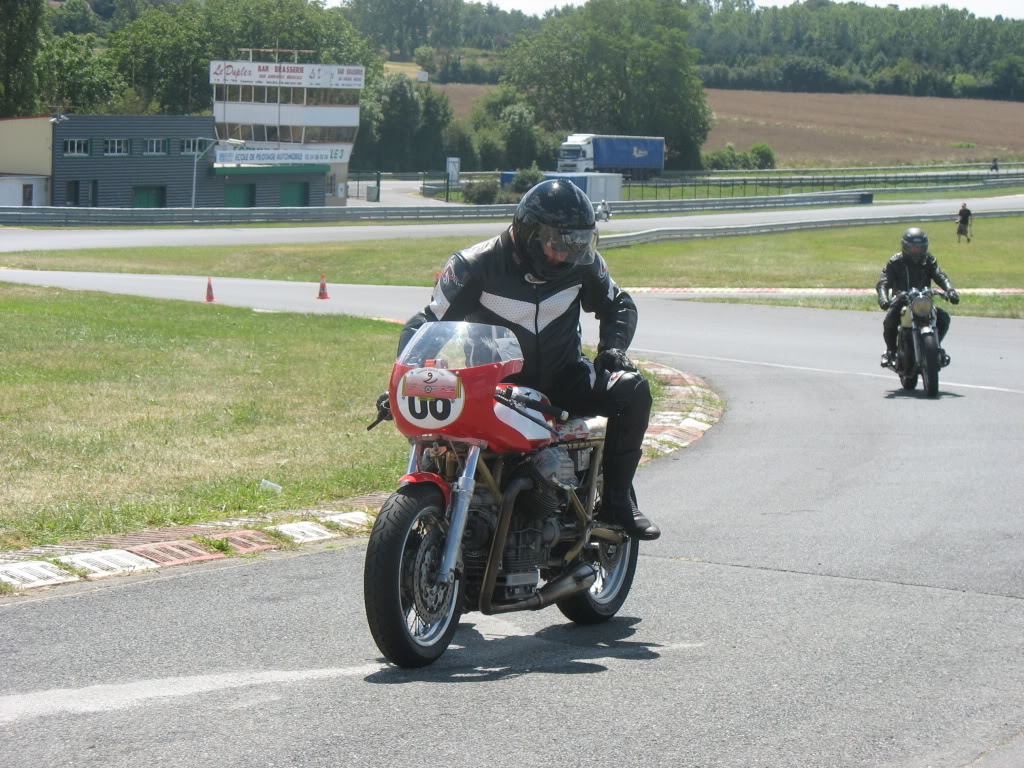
[(616, 566), (930, 364), (412, 617)]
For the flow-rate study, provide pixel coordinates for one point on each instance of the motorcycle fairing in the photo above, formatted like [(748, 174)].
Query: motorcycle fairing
[(471, 415)]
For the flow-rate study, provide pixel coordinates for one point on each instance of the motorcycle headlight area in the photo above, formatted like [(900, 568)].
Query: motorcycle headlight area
[(922, 306), (555, 466)]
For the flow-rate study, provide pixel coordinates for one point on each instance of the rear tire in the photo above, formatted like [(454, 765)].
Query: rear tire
[(411, 617), (930, 364), (616, 566), (909, 381)]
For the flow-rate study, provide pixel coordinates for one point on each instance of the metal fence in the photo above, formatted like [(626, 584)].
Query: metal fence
[(698, 233), (72, 216), (718, 185)]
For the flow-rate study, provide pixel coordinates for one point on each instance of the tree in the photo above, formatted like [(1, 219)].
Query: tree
[(401, 110), (618, 67), (73, 78), (520, 134), (165, 56), (1008, 78), (434, 118), (74, 17), (20, 22)]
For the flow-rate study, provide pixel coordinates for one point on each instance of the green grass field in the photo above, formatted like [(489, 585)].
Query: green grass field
[(834, 258), (121, 413)]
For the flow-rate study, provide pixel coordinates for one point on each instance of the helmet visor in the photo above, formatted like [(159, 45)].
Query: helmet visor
[(567, 246), (915, 249)]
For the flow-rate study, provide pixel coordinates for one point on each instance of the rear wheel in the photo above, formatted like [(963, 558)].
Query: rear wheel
[(909, 380), (616, 566), (412, 617), (930, 364)]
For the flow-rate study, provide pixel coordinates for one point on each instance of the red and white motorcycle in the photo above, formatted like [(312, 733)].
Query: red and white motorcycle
[(498, 509)]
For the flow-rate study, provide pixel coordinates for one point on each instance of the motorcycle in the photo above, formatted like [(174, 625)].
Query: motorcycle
[(499, 508), (917, 341)]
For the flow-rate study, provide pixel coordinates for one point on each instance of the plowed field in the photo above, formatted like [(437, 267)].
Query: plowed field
[(828, 129), (857, 129)]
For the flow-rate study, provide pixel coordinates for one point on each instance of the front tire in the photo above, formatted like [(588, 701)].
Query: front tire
[(930, 364), (411, 617)]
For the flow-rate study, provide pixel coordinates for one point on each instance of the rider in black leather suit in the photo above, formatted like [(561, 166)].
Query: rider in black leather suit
[(912, 267), (534, 278)]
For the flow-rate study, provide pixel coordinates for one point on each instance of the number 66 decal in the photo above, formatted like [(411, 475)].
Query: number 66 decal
[(439, 410)]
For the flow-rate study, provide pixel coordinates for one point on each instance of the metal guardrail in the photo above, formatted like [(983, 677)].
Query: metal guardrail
[(72, 216), (698, 233)]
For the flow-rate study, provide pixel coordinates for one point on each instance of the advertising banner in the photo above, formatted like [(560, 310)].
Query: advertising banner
[(286, 74), (332, 153)]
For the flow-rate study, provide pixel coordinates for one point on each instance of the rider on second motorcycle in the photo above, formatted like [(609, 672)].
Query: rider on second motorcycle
[(912, 267), (535, 278)]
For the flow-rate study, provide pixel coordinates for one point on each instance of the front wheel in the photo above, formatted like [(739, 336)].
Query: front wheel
[(616, 566), (930, 364), (412, 617)]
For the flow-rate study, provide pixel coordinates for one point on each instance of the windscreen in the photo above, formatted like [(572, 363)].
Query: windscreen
[(460, 345)]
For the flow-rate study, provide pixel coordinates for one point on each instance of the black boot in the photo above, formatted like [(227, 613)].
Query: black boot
[(619, 507)]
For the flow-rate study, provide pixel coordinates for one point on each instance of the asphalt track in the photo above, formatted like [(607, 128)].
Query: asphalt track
[(55, 239), (840, 583)]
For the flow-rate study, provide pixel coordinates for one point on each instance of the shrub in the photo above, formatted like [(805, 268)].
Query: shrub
[(483, 192), (762, 156), (525, 179)]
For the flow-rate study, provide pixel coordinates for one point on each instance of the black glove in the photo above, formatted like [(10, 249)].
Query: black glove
[(953, 296), (612, 360), (884, 303), (383, 410)]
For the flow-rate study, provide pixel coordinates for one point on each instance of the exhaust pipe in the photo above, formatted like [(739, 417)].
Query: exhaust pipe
[(583, 577)]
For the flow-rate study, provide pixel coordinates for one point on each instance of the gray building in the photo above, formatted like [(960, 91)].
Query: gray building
[(152, 161)]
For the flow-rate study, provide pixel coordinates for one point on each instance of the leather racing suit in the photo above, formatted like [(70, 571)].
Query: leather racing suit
[(489, 283), (901, 274)]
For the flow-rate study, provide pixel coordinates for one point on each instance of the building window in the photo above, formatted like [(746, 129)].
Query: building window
[(116, 147), (76, 147), (155, 147), (191, 146)]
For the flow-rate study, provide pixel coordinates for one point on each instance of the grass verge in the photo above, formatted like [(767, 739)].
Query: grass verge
[(121, 413), (973, 306), (834, 258)]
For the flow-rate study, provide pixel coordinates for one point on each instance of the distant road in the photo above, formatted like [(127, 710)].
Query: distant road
[(72, 239)]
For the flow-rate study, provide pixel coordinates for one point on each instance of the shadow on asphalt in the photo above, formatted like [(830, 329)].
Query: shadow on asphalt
[(561, 649), (900, 394)]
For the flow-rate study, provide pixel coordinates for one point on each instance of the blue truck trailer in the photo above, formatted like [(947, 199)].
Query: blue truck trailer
[(636, 156)]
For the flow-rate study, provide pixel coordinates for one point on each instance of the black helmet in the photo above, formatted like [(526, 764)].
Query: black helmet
[(915, 244), (557, 215)]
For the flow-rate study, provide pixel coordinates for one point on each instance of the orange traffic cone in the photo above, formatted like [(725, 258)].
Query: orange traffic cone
[(323, 288), (209, 289)]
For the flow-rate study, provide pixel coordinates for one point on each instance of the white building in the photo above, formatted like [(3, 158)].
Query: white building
[(289, 113)]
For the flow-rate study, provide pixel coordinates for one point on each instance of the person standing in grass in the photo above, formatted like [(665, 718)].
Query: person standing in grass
[(963, 227)]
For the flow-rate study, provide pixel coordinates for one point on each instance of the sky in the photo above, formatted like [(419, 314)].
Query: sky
[(1011, 9)]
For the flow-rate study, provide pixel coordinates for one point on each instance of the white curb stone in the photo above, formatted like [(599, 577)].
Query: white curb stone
[(34, 574), (350, 519), (109, 562), (304, 532)]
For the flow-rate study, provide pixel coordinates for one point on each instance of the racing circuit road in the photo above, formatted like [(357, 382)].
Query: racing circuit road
[(840, 583)]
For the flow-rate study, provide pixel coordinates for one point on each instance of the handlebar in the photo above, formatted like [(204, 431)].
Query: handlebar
[(510, 399)]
